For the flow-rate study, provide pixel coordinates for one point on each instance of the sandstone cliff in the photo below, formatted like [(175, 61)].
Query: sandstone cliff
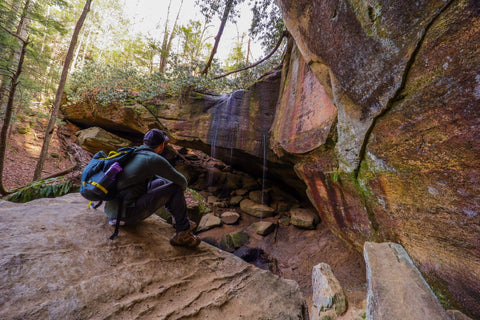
[(377, 111)]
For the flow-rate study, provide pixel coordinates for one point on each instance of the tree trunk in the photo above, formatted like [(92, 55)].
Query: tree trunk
[(8, 115), (59, 94), (168, 38), (21, 33), (226, 12)]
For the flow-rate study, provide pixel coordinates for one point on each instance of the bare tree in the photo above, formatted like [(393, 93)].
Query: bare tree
[(168, 38), (279, 42), (20, 34), (8, 114), (58, 95), (226, 13)]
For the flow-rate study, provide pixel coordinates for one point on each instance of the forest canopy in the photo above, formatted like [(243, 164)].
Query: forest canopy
[(53, 51)]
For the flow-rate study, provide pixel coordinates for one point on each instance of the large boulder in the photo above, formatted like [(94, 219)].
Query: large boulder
[(396, 289), (403, 163), (57, 262), (328, 299), (94, 139)]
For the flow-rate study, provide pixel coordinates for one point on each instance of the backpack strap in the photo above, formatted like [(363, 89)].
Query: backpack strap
[(117, 223), (119, 216)]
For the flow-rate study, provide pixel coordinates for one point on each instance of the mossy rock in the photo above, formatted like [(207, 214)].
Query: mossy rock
[(234, 240)]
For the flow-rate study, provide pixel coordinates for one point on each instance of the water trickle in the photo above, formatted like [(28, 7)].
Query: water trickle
[(264, 167), (225, 123)]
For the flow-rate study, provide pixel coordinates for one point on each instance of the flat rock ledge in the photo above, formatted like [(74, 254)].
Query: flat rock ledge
[(57, 262)]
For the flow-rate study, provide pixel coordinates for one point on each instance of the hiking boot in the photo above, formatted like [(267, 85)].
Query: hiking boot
[(185, 239)]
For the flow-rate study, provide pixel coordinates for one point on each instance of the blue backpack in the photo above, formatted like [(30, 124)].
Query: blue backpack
[(100, 176), (97, 183)]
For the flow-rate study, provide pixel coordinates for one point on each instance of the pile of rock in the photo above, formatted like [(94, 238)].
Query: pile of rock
[(268, 205)]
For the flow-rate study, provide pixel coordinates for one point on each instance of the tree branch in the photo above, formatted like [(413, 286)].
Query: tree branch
[(284, 34)]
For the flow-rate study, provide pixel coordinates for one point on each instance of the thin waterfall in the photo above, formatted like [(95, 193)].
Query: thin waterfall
[(264, 167), (225, 124)]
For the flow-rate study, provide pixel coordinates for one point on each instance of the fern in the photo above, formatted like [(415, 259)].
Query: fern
[(49, 188)]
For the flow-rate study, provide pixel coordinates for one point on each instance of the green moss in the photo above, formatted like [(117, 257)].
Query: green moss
[(440, 289), (420, 83), (23, 130)]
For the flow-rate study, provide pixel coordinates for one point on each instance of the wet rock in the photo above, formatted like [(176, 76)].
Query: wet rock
[(235, 201), (240, 192), (304, 218), (256, 209), (284, 220), (396, 289), (234, 240), (259, 196), (255, 256), (212, 199), (281, 206), (208, 222), (328, 298), (230, 217), (263, 228)]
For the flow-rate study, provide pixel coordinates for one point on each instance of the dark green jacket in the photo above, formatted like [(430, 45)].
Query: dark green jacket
[(145, 166)]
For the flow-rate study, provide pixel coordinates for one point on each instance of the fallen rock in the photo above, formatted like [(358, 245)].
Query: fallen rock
[(281, 206), (256, 209), (263, 228), (230, 217), (212, 199), (95, 139), (303, 218), (259, 196), (235, 201), (208, 222), (233, 240), (396, 289), (57, 262), (240, 192), (328, 298)]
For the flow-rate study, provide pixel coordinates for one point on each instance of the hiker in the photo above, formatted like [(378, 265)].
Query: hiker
[(149, 182)]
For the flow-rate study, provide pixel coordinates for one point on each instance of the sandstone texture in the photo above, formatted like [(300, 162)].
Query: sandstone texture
[(328, 297), (396, 289), (403, 164), (58, 263), (374, 117)]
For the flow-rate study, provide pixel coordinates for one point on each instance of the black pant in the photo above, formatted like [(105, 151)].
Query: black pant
[(160, 193)]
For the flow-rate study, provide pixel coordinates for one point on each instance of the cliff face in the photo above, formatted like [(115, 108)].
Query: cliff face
[(377, 109), (405, 80)]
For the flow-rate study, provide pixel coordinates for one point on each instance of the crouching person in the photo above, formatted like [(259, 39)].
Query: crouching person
[(149, 182)]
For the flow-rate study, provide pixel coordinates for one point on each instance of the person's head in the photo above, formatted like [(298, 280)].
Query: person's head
[(155, 139)]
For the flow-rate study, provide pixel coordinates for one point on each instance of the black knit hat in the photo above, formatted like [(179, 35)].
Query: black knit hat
[(154, 138)]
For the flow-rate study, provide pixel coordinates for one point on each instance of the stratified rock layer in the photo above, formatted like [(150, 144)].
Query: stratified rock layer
[(58, 263), (377, 111), (405, 79)]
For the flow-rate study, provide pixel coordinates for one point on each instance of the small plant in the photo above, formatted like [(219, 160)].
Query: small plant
[(49, 188)]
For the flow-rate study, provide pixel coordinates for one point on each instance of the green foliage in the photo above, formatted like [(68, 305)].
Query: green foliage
[(120, 84), (49, 188), (267, 23)]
